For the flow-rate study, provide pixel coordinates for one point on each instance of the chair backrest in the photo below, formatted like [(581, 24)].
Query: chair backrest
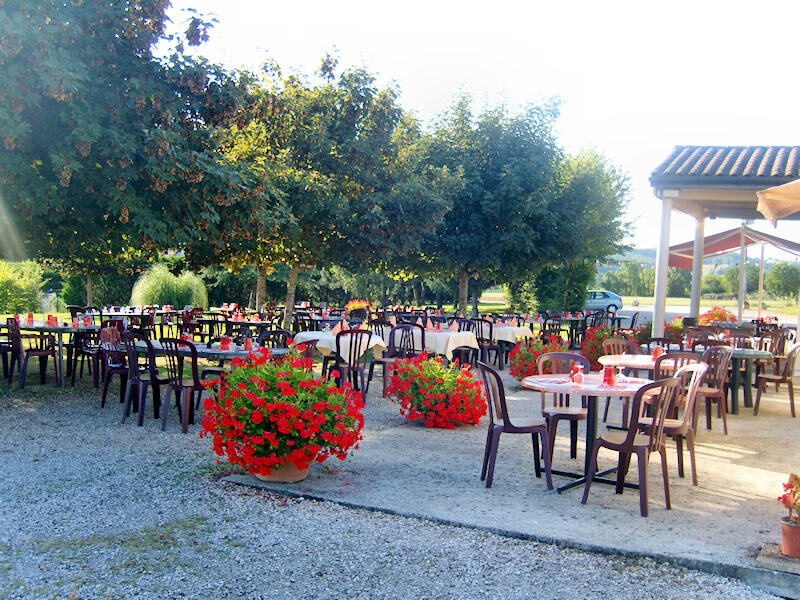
[(274, 338), (176, 360), (691, 376), (704, 344), (560, 362), (635, 320), (358, 343), (14, 334), (465, 324), (718, 358), (110, 338), (739, 340), (668, 364), (661, 396), (483, 330), (401, 340), (496, 397), (619, 346), (360, 313), (380, 327), (669, 344), (791, 357), (129, 339)]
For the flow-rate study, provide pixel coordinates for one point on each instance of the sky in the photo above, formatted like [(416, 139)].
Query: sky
[(635, 79)]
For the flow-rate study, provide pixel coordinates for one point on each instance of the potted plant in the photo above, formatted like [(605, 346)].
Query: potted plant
[(275, 418), (442, 396), (790, 526), (358, 303), (716, 314), (593, 344), (522, 358)]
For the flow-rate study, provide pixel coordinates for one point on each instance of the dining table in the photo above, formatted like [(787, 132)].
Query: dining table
[(440, 341), (592, 387), (326, 343), (213, 352)]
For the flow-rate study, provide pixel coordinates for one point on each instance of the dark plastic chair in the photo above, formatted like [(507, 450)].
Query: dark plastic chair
[(111, 361), (715, 386), (274, 338), (486, 342), (352, 363), (784, 377), (668, 344), (184, 388), (662, 396), (27, 345), (401, 345), (501, 422), (140, 377)]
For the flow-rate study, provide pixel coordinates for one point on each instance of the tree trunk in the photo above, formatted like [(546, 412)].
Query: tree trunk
[(89, 294), (261, 286), (415, 291), (463, 285), (291, 287)]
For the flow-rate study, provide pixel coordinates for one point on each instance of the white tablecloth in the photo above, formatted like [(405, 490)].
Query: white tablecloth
[(507, 333), (439, 342), (326, 343)]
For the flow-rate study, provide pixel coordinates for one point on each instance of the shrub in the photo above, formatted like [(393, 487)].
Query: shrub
[(522, 359), (20, 287), (159, 286), (271, 412), (442, 396)]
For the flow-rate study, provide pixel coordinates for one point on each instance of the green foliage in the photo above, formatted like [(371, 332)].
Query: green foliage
[(730, 279), (679, 283), (107, 152), (783, 280), (632, 279), (159, 286), (107, 289), (712, 284), (564, 287), (20, 287)]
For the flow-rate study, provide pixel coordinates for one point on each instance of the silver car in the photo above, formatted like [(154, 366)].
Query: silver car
[(602, 300)]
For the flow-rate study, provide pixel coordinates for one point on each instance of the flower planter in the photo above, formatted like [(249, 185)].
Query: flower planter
[(286, 473), (790, 539)]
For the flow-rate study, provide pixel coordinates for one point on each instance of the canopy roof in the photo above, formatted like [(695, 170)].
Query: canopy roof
[(722, 181), (780, 201), (721, 243)]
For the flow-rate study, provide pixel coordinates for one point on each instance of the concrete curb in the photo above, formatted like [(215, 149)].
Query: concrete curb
[(780, 583)]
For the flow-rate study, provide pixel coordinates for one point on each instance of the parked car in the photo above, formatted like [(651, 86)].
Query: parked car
[(603, 300)]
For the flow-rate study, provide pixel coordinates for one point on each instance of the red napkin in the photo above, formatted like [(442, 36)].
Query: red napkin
[(454, 326), (513, 322), (429, 325), (393, 321), (336, 329), (345, 325), (419, 321)]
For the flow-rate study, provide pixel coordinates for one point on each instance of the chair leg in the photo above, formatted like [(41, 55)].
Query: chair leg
[(625, 410), (708, 413), (723, 407), (757, 403), (165, 409), (537, 463), (187, 407), (42, 370), (546, 454), (23, 372), (590, 474), (690, 447), (126, 410), (622, 470), (605, 412), (486, 453), (791, 395), (552, 425), (142, 399), (679, 447), (492, 459), (643, 457), (663, 452)]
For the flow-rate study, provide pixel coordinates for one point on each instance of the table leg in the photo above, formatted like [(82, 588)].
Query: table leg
[(734, 386), (748, 383), (60, 374)]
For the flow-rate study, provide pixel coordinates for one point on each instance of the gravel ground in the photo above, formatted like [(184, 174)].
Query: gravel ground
[(90, 508)]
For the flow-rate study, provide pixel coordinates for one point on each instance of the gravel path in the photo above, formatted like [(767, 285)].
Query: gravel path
[(90, 509)]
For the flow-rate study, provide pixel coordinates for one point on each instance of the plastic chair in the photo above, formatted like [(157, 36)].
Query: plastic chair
[(715, 386), (39, 345), (662, 395), (619, 346), (668, 344), (785, 377), (352, 363), (486, 342), (140, 377), (184, 389), (111, 361), (560, 363), (500, 422), (401, 345), (678, 429)]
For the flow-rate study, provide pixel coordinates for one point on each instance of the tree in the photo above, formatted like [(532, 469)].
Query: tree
[(341, 161), (730, 279), (633, 279), (712, 284), (783, 280), (109, 153), (679, 283), (504, 222)]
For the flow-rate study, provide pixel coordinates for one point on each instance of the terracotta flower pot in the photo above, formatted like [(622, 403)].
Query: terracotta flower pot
[(790, 545), (285, 473)]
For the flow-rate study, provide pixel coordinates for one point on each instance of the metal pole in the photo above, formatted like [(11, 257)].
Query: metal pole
[(742, 273), (697, 266), (662, 260), (761, 281)]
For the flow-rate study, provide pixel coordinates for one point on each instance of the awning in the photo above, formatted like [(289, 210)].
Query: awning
[(780, 201), (721, 243)]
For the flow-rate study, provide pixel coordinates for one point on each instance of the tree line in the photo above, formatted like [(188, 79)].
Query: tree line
[(113, 155)]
